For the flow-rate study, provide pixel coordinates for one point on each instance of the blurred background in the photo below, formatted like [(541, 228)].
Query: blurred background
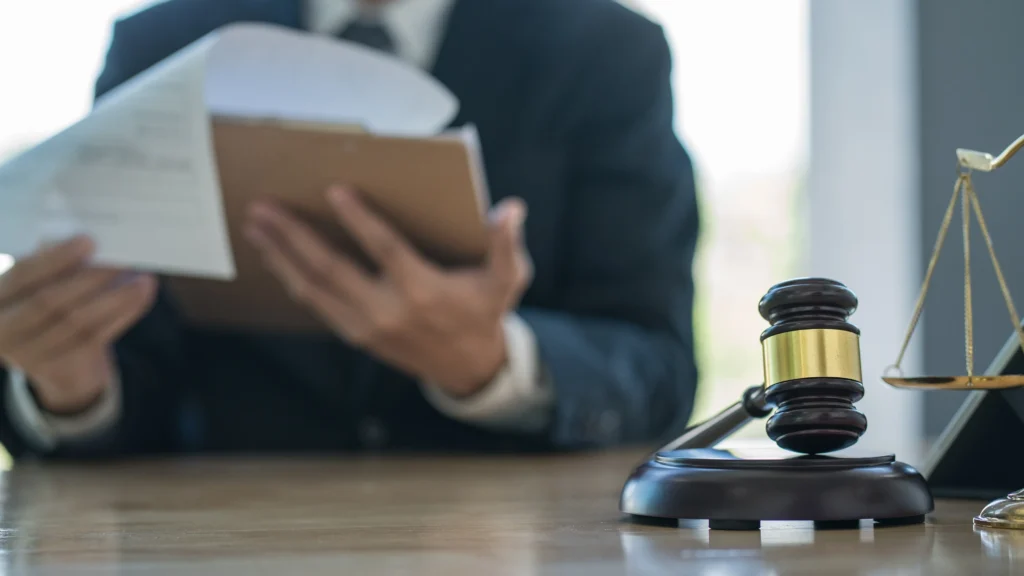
[(823, 135)]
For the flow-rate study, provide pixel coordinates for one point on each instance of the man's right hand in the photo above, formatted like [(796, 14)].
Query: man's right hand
[(59, 318)]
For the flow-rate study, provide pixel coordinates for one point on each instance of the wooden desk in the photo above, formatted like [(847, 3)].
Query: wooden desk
[(427, 516)]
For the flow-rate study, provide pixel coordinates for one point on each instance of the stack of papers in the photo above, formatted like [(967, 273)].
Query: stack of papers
[(140, 174)]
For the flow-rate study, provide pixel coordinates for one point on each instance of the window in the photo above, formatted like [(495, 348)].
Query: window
[(742, 90)]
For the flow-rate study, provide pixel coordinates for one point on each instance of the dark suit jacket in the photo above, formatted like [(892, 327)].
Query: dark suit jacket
[(573, 103)]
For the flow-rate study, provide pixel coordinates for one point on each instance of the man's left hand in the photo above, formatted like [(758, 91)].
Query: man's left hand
[(441, 326)]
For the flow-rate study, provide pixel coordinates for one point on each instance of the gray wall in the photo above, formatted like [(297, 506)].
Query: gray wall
[(864, 163), (971, 91)]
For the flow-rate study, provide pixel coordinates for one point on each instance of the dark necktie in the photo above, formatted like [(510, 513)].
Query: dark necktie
[(369, 33)]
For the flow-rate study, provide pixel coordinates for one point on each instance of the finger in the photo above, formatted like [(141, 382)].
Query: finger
[(505, 261), (27, 318), (42, 267), (385, 246), (305, 287), (275, 228), (100, 321)]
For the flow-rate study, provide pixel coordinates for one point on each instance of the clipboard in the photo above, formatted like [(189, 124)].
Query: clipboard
[(432, 190)]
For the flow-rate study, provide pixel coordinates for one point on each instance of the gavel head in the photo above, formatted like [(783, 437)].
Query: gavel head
[(812, 370)]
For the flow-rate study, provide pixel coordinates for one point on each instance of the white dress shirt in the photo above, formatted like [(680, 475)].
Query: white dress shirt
[(516, 400)]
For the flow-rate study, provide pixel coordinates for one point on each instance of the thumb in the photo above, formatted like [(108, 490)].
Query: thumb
[(506, 227)]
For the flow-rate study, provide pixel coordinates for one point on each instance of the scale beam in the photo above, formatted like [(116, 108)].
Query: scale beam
[(983, 161)]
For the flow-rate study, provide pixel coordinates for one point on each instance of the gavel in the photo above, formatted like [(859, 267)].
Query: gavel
[(812, 378), (812, 374)]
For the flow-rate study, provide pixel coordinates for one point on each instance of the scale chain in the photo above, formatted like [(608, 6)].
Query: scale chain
[(1004, 288), (939, 241), (968, 312)]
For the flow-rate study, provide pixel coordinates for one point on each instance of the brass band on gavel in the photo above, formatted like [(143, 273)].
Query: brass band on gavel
[(811, 353)]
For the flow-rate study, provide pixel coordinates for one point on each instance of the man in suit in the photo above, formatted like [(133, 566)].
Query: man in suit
[(576, 333)]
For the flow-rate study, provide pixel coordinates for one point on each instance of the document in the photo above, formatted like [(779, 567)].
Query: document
[(139, 174)]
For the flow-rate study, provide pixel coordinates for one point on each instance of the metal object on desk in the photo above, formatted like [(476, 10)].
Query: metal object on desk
[(963, 190), (1003, 513), (1006, 512)]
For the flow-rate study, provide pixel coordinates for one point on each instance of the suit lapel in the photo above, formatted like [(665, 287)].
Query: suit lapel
[(475, 46), (481, 63)]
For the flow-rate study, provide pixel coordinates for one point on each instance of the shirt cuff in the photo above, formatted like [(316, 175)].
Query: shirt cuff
[(519, 398), (46, 431)]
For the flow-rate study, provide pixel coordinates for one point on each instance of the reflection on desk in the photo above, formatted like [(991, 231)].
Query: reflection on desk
[(420, 515)]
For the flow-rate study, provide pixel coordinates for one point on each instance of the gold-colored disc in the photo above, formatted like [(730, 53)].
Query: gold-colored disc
[(999, 382)]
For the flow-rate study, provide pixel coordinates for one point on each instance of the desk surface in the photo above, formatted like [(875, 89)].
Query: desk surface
[(427, 516)]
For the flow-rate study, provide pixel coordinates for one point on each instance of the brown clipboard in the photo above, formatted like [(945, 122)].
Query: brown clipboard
[(430, 189)]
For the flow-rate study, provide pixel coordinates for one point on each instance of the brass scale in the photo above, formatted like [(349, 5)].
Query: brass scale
[(1006, 512)]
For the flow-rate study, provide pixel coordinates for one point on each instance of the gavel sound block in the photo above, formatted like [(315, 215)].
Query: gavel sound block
[(812, 378)]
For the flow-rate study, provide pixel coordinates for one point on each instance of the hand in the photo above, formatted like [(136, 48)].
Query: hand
[(59, 317), (444, 327)]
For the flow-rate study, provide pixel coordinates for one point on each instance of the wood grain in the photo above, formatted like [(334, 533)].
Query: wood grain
[(420, 515)]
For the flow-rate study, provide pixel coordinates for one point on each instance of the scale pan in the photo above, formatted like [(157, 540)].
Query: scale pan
[(999, 382)]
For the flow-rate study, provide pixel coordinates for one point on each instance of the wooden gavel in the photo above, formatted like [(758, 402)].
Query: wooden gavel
[(812, 374)]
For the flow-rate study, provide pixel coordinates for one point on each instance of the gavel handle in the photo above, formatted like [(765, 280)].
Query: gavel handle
[(722, 425)]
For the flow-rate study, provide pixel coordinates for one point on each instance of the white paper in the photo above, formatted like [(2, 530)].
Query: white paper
[(262, 71), (139, 174)]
